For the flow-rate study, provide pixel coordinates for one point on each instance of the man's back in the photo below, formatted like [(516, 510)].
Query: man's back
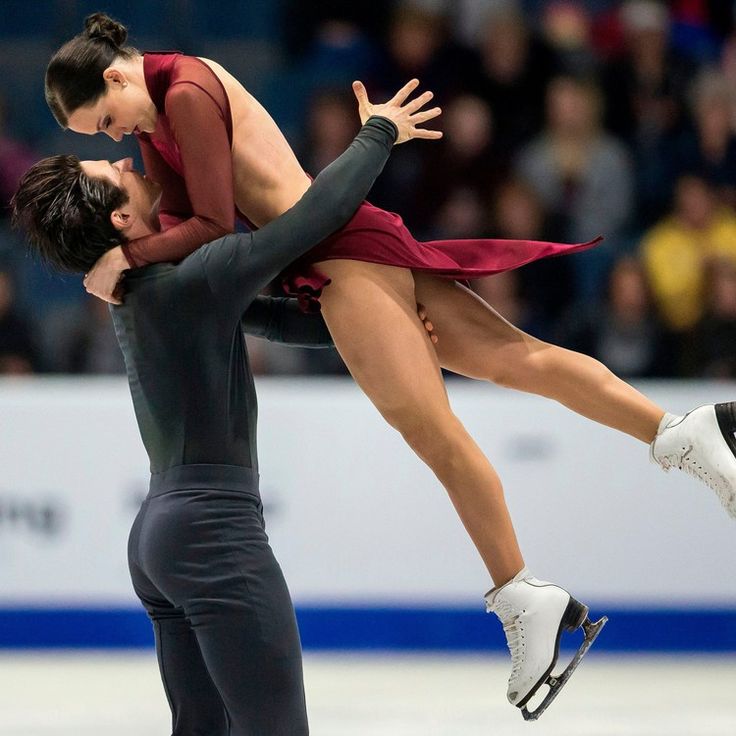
[(187, 367)]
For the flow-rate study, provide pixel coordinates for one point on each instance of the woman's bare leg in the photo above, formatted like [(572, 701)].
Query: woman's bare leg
[(371, 313), (476, 341)]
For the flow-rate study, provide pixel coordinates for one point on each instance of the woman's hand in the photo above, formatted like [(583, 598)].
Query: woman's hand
[(405, 118), (103, 280)]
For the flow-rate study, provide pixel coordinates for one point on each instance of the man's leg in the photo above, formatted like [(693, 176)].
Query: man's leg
[(249, 641), (208, 552), (196, 705)]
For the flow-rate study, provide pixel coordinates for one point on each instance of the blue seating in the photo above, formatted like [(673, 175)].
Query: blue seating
[(144, 19), (249, 61), (252, 19), (24, 19), (22, 68)]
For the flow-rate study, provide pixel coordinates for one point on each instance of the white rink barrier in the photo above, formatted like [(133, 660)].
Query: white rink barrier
[(353, 516)]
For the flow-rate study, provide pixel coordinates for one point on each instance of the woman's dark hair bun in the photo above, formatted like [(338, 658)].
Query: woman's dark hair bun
[(103, 27)]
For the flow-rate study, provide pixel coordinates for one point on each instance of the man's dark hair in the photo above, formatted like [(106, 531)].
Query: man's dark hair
[(66, 214), (74, 74)]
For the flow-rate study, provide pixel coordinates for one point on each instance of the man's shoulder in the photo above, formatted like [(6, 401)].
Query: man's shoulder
[(155, 278), (151, 272), (166, 291), (223, 249)]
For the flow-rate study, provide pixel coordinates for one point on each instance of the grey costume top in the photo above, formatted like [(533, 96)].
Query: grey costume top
[(180, 326)]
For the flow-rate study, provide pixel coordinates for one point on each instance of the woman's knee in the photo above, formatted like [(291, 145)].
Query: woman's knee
[(425, 431)]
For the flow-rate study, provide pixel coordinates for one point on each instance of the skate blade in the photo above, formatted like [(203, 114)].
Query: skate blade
[(556, 683)]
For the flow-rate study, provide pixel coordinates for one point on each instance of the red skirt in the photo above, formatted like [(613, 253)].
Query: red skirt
[(377, 236)]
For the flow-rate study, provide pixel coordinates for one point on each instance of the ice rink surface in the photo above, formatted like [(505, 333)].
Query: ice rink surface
[(73, 694)]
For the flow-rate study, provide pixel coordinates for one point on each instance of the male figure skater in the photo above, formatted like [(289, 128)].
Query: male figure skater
[(226, 636)]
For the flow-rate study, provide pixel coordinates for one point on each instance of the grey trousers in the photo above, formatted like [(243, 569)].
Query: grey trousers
[(226, 636)]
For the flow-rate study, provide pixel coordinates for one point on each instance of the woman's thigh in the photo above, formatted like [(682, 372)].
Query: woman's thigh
[(371, 312), (473, 339)]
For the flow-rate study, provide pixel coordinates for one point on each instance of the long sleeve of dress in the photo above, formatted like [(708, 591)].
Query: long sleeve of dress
[(199, 130), (279, 319), (175, 206), (238, 266)]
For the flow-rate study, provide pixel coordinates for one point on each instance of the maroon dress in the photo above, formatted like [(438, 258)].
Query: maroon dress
[(190, 155)]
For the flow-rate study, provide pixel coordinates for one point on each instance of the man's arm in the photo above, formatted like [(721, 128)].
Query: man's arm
[(279, 319), (239, 266)]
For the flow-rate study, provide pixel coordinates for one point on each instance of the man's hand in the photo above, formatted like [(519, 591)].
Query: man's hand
[(103, 280), (405, 118), (422, 312)]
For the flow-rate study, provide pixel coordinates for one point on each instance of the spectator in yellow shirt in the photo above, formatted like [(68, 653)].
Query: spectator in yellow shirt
[(677, 250)]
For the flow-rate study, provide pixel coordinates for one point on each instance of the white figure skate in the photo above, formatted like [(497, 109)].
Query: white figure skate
[(534, 613), (702, 443)]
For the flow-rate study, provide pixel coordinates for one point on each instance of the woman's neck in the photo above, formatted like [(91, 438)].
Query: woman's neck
[(132, 67)]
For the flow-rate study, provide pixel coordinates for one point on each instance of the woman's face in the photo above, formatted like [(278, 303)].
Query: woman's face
[(125, 108)]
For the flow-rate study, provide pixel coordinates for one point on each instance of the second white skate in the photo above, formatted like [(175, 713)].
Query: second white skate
[(534, 614), (702, 443)]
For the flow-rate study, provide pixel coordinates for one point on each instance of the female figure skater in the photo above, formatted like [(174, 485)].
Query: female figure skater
[(216, 151)]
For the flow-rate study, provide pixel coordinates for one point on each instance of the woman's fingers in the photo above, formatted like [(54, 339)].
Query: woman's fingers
[(110, 297)]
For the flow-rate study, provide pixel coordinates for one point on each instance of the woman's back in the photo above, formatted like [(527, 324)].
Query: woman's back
[(268, 179)]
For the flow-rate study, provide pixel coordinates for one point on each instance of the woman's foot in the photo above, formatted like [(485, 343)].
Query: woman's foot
[(534, 614), (702, 444)]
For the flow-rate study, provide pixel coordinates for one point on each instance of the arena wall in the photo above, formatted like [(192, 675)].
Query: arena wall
[(371, 547)]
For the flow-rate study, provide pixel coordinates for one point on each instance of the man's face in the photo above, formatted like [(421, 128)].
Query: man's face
[(139, 215)]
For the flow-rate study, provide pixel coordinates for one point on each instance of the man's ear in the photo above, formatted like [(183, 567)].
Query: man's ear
[(114, 77), (120, 220)]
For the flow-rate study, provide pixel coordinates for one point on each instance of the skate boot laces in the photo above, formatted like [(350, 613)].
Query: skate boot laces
[(683, 459), (514, 631)]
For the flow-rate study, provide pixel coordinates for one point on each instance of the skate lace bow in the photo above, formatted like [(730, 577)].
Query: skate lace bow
[(514, 631)]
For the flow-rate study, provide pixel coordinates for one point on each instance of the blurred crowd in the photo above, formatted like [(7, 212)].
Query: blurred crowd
[(562, 120)]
